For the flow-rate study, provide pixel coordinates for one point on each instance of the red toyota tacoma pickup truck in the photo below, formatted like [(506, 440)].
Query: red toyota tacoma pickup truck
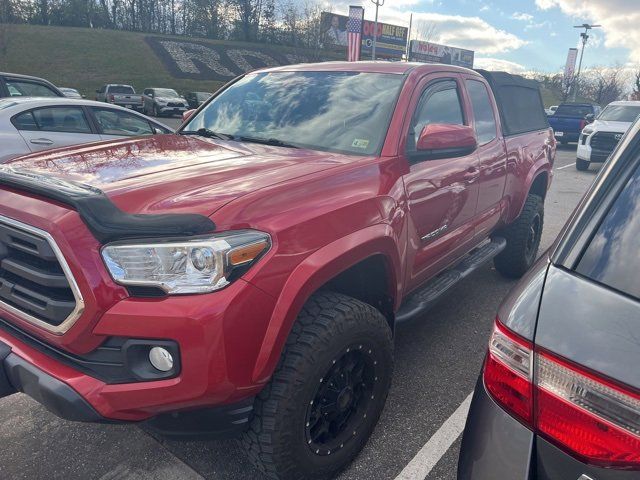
[(246, 274)]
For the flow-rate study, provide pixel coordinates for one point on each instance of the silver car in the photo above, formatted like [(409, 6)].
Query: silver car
[(34, 124)]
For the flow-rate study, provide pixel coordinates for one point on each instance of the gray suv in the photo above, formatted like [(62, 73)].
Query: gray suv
[(559, 395), (163, 101)]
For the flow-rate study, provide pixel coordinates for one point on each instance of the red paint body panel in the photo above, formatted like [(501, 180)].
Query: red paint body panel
[(325, 212)]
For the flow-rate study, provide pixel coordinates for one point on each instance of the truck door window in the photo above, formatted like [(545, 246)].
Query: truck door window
[(439, 103), (485, 120)]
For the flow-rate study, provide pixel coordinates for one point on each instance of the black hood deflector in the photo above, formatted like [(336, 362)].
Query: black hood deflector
[(104, 219)]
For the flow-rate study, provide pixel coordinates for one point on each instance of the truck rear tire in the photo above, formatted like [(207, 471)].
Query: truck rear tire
[(327, 393), (582, 165), (523, 239)]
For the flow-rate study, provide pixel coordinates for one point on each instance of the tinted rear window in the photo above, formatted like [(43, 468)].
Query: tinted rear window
[(121, 89), (574, 110), (612, 256)]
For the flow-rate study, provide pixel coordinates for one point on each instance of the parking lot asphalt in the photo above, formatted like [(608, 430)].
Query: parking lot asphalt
[(438, 358)]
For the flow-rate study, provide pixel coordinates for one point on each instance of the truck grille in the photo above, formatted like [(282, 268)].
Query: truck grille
[(605, 142), (174, 104), (35, 281)]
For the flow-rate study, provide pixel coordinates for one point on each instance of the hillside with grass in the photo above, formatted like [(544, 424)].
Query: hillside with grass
[(85, 58)]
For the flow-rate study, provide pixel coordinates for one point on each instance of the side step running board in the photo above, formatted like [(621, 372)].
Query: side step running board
[(423, 299)]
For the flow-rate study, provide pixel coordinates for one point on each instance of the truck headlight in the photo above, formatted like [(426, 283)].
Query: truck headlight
[(587, 131), (197, 265)]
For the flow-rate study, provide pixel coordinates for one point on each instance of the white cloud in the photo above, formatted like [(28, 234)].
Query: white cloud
[(525, 17), (468, 32), (619, 18), (489, 63)]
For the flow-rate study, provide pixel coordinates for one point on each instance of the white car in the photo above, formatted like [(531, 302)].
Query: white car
[(598, 139), (33, 124), (551, 110), (70, 92)]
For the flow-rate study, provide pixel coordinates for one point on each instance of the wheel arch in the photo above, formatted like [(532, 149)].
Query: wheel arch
[(342, 266)]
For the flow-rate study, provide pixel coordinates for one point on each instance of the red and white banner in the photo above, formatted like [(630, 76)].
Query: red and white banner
[(570, 67), (354, 33)]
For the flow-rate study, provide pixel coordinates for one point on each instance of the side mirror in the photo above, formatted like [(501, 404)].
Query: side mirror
[(187, 115), (444, 140), (590, 117)]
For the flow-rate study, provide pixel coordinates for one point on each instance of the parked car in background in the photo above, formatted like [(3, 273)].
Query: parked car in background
[(195, 99), (70, 92), (570, 118), (253, 283), (559, 396), (33, 124), (600, 138), (121, 95), (15, 85), (163, 101), (552, 109)]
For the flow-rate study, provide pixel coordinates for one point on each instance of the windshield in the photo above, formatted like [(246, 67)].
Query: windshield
[(346, 112), (574, 110), (620, 113), (166, 92), (121, 89)]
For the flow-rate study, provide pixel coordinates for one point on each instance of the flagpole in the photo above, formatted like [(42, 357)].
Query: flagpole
[(377, 3), (409, 37)]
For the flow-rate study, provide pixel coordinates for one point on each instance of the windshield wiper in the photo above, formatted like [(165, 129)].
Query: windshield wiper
[(205, 132), (267, 141)]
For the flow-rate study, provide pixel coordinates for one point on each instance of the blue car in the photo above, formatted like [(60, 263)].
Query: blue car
[(570, 119)]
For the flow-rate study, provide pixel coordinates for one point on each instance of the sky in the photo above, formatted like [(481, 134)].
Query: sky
[(519, 35)]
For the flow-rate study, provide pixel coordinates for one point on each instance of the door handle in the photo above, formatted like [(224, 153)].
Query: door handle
[(42, 141), (471, 175)]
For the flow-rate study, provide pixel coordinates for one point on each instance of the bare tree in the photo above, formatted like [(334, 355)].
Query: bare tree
[(425, 30), (635, 95), (603, 85)]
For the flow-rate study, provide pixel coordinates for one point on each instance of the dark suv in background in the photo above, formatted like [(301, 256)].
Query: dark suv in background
[(559, 396), (15, 85)]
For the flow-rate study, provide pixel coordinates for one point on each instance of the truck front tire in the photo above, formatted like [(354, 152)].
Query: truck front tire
[(523, 239), (327, 393), (582, 165)]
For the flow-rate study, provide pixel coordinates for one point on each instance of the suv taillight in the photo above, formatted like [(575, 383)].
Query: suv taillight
[(583, 123), (586, 415)]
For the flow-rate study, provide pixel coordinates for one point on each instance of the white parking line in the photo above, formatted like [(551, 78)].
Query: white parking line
[(566, 166), (438, 444)]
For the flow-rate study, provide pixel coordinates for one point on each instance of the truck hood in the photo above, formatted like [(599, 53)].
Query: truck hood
[(177, 174), (609, 126)]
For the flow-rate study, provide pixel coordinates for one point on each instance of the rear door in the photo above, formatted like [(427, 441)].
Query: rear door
[(492, 155), (54, 127), (442, 193), (590, 320)]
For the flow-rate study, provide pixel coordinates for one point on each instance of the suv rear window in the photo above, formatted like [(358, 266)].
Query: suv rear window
[(612, 255), (574, 110)]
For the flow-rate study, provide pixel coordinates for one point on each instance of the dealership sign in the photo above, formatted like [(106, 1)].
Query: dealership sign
[(391, 40), (207, 61), (570, 66), (433, 52)]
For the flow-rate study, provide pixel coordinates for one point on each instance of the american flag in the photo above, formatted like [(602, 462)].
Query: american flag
[(354, 33)]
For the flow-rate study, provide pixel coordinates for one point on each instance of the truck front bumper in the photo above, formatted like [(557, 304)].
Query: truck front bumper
[(217, 339), (18, 375)]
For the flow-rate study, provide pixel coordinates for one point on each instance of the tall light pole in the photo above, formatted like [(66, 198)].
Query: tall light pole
[(378, 4), (585, 36)]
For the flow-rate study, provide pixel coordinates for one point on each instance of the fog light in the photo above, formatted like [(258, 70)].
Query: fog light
[(161, 359)]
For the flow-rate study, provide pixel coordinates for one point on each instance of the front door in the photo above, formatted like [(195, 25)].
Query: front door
[(442, 194)]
